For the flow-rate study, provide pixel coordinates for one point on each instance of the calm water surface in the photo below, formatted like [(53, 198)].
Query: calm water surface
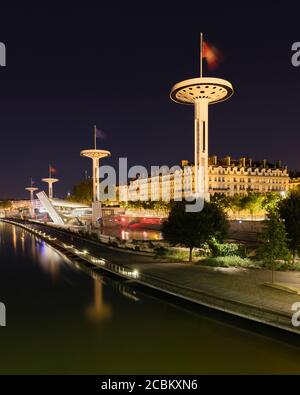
[(61, 319)]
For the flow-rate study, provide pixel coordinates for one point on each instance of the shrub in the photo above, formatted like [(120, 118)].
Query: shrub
[(226, 249), (227, 261)]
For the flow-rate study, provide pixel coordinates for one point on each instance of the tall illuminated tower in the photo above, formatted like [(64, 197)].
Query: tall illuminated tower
[(200, 92), (31, 190), (50, 181), (96, 154)]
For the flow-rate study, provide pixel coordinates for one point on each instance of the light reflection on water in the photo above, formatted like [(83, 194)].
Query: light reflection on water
[(64, 318), (98, 310), (130, 234)]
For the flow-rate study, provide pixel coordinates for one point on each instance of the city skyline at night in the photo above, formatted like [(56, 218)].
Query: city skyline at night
[(57, 84), (144, 243)]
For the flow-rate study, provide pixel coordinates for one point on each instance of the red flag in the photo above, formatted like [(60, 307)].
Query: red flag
[(212, 55), (52, 170)]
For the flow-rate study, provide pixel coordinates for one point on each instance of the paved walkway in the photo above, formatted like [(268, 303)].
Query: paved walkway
[(243, 285)]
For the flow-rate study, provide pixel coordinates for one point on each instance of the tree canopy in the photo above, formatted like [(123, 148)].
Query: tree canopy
[(194, 229), (5, 204), (289, 211), (82, 192)]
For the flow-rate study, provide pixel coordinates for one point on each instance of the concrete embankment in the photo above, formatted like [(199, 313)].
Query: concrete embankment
[(239, 293)]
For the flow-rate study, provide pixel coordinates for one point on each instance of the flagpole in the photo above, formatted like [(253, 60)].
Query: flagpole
[(95, 136), (49, 170), (201, 55)]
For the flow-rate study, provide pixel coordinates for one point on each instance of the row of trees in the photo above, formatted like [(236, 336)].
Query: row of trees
[(280, 238), (5, 205), (147, 205), (281, 235), (252, 202)]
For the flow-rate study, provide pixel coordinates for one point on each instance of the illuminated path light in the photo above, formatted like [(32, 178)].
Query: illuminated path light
[(201, 92), (95, 154)]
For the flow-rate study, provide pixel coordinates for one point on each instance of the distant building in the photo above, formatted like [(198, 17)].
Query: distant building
[(294, 180), (231, 176), (226, 175)]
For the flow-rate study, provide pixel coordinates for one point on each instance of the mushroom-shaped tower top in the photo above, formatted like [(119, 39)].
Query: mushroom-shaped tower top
[(31, 189), (50, 180), (95, 153), (190, 91)]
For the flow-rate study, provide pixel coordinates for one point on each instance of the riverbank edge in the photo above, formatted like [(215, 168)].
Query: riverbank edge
[(274, 318)]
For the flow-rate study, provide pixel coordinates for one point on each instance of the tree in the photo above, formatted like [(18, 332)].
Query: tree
[(236, 203), (289, 211), (274, 241), (221, 200), (82, 192), (194, 229), (5, 205), (270, 201), (252, 202)]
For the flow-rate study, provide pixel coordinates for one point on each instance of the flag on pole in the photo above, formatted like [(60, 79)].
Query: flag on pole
[(100, 134), (212, 55), (52, 170)]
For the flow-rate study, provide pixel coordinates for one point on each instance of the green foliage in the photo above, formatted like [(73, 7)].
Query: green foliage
[(270, 201), (82, 192), (274, 240), (147, 205), (171, 254), (194, 229), (227, 261), (221, 200), (226, 249), (5, 204), (252, 202), (289, 211)]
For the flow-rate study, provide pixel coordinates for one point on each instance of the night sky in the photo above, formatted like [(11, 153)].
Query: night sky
[(113, 65)]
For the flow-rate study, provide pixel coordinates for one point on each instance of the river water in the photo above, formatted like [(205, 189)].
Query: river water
[(64, 320)]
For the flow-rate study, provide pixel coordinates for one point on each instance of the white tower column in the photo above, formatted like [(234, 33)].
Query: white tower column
[(96, 180), (50, 182), (201, 148), (31, 190), (201, 92), (50, 190), (96, 155)]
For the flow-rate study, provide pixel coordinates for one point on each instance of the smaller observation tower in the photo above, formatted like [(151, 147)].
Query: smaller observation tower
[(96, 154), (31, 190), (50, 181)]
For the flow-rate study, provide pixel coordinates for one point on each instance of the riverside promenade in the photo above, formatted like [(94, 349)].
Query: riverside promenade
[(234, 290), (241, 292)]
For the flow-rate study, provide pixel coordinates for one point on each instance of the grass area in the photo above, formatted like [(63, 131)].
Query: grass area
[(172, 254), (237, 261), (227, 261)]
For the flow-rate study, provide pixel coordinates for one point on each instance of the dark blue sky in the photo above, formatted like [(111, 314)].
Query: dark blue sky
[(114, 65)]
